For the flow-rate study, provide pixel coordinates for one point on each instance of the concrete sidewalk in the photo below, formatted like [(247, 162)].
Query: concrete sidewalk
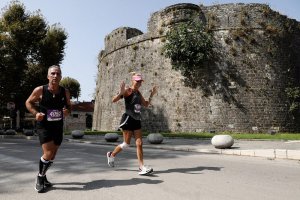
[(273, 149), (259, 148)]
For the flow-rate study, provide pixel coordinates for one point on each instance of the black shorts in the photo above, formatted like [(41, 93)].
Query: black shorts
[(50, 135), (129, 124)]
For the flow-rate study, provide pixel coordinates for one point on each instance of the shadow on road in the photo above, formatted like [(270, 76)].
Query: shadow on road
[(97, 184), (193, 170)]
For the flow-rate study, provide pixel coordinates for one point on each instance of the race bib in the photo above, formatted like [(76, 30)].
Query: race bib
[(137, 108), (54, 115)]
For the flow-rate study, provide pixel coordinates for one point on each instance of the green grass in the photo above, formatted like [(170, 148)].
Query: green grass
[(245, 136)]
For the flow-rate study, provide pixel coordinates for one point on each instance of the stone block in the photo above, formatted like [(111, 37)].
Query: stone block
[(266, 153), (281, 153), (228, 151), (155, 138), (247, 152), (111, 137), (293, 154), (222, 141), (77, 134)]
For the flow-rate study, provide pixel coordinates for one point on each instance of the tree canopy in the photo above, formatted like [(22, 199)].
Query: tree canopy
[(28, 46), (72, 85)]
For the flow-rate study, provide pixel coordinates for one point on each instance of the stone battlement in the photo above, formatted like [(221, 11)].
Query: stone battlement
[(259, 57)]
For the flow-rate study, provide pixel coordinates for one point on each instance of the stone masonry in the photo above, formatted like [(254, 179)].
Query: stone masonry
[(258, 58)]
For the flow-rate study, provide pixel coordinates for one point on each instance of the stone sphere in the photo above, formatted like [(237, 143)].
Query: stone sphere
[(111, 137), (10, 132), (28, 132), (222, 141), (77, 134), (155, 138)]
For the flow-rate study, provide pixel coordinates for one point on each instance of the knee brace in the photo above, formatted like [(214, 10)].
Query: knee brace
[(124, 145)]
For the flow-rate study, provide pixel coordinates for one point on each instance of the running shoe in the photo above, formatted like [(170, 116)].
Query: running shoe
[(145, 170), (110, 159), (47, 183), (39, 185)]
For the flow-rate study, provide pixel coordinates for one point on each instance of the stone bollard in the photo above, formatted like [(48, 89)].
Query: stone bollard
[(77, 134), (28, 132), (111, 137), (155, 138), (222, 141), (10, 132)]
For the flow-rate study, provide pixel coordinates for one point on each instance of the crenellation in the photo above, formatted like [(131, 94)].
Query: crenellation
[(160, 21), (119, 38)]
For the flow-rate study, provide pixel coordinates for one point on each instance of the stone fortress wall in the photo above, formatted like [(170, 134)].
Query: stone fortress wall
[(259, 58)]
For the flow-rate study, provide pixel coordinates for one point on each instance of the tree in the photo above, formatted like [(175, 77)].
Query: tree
[(28, 46), (72, 85)]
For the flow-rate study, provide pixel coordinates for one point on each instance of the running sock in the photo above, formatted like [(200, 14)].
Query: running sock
[(44, 166), (51, 163)]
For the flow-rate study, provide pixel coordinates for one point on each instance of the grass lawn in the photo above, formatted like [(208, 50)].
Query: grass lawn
[(245, 136)]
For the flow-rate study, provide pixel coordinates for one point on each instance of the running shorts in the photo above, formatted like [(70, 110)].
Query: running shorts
[(129, 123), (50, 135)]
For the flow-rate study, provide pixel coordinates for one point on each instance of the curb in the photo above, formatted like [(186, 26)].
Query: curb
[(17, 137), (265, 153)]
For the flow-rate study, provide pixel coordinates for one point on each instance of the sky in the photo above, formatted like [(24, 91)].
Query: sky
[(87, 22)]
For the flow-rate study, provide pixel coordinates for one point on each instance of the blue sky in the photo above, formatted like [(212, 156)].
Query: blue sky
[(87, 22)]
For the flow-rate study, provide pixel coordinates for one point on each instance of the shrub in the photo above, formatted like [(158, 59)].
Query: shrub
[(188, 46)]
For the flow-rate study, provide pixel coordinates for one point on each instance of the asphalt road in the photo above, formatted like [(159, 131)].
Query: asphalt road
[(80, 172)]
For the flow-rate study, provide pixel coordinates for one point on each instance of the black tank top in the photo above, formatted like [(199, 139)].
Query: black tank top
[(52, 106), (133, 105)]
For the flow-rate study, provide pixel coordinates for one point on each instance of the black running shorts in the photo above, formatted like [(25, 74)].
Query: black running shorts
[(129, 124), (50, 135)]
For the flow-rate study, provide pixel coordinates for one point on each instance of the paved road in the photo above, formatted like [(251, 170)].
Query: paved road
[(81, 172)]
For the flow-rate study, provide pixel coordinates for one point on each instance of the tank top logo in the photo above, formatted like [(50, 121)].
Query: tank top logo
[(54, 115), (137, 108)]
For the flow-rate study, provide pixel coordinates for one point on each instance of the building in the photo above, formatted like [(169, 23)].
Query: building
[(81, 117), (244, 90)]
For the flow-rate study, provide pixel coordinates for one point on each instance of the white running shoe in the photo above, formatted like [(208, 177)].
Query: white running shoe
[(110, 159), (145, 170)]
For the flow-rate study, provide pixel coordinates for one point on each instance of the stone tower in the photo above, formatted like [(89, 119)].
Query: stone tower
[(259, 57)]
